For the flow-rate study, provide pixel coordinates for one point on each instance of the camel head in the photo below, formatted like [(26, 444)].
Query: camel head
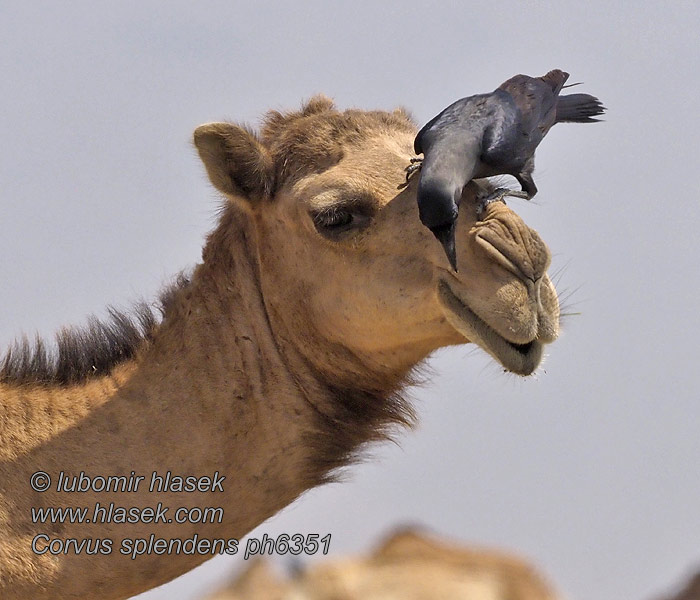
[(345, 264)]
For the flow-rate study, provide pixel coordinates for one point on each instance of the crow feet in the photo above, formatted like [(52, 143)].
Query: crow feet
[(498, 195), (416, 164)]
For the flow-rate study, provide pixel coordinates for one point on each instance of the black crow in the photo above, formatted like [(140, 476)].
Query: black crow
[(486, 135)]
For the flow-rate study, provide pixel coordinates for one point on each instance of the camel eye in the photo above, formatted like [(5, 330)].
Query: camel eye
[(335, 221)]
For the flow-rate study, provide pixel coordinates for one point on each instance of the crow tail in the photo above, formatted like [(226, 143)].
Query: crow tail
[(578, 108)]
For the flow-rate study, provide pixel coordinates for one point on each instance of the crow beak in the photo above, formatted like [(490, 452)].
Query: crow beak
[(446, 236)]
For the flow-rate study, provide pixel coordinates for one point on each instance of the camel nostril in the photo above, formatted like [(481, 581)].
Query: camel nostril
[(516, 247)]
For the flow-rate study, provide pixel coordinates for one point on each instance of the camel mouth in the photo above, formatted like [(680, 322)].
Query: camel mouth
[(521, 359)]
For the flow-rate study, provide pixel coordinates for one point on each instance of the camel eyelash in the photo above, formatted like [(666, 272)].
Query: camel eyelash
[(342, 216), (330, 215)]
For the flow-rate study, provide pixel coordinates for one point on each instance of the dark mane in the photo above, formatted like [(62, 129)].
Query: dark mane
[(90, 350)]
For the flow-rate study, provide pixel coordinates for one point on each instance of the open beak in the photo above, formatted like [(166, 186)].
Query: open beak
[(446, 236)]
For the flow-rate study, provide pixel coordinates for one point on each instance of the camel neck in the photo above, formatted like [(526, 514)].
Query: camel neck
[(208, 397)]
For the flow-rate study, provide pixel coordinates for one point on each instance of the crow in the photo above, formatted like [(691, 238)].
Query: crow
[(486, 135)]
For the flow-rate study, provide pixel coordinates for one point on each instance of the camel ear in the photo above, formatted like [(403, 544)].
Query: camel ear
[(237, 163)]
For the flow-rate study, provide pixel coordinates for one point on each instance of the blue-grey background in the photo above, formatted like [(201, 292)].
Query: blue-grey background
[(590, 468)]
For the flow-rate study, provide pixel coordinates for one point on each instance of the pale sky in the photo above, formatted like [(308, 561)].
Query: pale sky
[(590, 468)]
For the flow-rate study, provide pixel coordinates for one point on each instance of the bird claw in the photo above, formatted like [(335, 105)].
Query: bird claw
[(416, 164), (498, 195)]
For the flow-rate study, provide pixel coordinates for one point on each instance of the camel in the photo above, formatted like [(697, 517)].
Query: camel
[(689, 591), (287, 350), (408, 565)]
